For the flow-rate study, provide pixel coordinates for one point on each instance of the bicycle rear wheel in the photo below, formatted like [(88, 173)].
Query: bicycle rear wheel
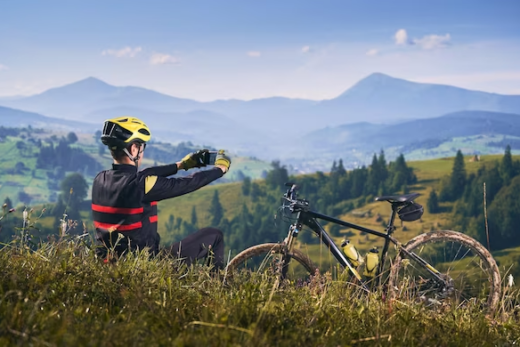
[(469, 272), (267, 259)]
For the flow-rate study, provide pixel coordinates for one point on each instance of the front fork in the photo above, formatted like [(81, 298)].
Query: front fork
[(288, 244)]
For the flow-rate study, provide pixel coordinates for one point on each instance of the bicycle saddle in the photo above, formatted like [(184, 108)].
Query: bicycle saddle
[(398, 198)]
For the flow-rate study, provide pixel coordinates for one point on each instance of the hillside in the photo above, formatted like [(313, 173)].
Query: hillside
[(19, 172), (476, 132), (240, 311), (367, 212)]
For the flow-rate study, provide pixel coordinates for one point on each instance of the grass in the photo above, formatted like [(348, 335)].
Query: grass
[(61, 294)]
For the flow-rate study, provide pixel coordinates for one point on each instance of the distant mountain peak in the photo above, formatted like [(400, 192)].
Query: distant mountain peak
[(375, 81), (378, 76), (91, 81), (87, 86)]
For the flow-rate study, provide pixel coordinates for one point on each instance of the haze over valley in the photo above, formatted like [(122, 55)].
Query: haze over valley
[(378, 112)]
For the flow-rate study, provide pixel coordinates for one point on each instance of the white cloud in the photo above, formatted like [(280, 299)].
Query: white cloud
[(306, 49), (253, 54), (3, 67), (433, 41), (127, 52), (372, 52), (401, 37), (427, 42), (162, 59)]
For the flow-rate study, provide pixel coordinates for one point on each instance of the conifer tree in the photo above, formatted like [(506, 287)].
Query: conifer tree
[(341, 169), (383, 170), (374, 175), (334, 168), (246, 186), (457, 179), (216, 210), (433, 202), (506, 166), (278, 176)]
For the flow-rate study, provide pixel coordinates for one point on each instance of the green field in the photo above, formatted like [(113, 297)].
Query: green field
[(35, 181), (373, 215), (61, 295)]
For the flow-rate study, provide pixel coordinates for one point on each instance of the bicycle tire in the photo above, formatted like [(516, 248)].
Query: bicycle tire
[(269, 248), (490, 291)]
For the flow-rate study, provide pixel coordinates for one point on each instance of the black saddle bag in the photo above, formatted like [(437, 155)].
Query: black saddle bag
[(411, 212)]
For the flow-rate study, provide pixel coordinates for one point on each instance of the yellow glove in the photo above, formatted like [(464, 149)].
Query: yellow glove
[(195, 159), (223, 160)]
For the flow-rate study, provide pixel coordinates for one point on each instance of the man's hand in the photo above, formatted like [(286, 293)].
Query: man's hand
[(195, 159), (222, 161)]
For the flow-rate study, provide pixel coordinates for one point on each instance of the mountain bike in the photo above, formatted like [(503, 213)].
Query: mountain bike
[(436, 267)]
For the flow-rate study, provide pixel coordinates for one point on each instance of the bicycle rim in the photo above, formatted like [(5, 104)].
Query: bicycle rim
[(265, 262), (470, 273)]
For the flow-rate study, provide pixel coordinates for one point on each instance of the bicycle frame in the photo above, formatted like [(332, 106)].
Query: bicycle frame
[(310, 219)]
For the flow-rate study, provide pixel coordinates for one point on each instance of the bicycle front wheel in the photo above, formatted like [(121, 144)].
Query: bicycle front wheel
[(468, 271), (268, 259)]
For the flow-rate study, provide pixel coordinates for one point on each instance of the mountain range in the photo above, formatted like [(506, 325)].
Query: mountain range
[(374, 137), (383, 109), (14, 118)]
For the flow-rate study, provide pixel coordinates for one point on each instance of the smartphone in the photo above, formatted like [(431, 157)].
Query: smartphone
[(210, 157)]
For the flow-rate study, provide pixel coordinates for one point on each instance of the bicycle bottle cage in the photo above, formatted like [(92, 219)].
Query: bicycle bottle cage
[(411, 212)]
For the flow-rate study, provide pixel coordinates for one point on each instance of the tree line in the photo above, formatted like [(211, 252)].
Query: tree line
[(495, 184), (334, 193), (258, 221), (63, 157)]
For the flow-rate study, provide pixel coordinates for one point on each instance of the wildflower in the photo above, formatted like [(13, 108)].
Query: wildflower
[(510, 281), (4, 205), (25, 213), (12, 210)]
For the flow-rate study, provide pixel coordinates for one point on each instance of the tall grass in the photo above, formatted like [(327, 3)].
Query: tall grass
[(61, 295)]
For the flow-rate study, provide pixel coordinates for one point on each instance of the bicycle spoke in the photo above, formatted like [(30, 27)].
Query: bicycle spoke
[(466, 272)]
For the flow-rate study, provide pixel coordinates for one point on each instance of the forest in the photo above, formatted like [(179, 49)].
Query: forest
[(486, 204)]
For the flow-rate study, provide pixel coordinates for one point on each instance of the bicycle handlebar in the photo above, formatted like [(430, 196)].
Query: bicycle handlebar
[(292, 197)]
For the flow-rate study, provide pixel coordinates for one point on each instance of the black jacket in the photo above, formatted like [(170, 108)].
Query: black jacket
[(124, 202)]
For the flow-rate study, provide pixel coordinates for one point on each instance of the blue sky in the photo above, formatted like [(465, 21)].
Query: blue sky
[(220, 49)]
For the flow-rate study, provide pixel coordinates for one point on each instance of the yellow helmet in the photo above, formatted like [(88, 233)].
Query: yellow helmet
[(122, 131)]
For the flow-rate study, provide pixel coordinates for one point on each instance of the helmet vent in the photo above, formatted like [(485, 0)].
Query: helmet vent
[(123, 120), (144, 132)]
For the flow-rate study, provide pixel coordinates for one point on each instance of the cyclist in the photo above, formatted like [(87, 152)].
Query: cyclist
[(124, 200)]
